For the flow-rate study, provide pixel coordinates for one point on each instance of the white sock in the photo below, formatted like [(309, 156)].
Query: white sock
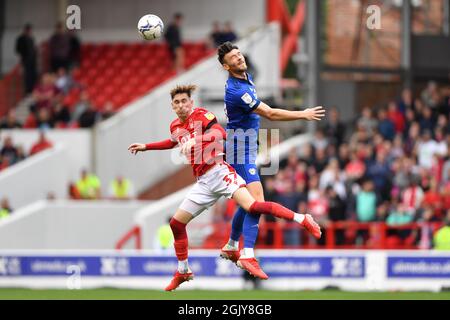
[(248, 253), (233, 244), (299, 217), (183, 266)]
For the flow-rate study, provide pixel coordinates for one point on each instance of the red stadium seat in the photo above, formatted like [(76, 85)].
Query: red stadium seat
[(129, 70)]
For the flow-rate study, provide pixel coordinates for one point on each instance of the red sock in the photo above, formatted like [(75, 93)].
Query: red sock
[(273, 209), (181, 239)]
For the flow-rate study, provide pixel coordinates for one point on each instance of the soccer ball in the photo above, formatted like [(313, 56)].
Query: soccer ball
[(150, 27)]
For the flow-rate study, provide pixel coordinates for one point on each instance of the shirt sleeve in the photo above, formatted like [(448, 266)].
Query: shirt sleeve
[(207, 118), (245, 99)]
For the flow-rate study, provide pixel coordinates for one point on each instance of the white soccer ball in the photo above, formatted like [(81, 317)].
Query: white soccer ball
[(150, 27)]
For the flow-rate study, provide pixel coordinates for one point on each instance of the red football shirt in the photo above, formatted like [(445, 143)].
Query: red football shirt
[(203, 155)]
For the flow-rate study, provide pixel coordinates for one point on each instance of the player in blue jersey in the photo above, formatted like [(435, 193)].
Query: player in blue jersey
[(243, 110)]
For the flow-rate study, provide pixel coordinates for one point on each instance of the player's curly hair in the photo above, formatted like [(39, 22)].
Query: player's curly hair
[(188, 89), (223, 49)]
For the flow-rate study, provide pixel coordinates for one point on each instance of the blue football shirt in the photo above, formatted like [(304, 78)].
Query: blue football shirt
[(241, 100)]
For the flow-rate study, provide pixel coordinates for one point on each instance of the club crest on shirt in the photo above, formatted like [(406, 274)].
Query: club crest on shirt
[(252, 171), (209, 116), (247, 98)]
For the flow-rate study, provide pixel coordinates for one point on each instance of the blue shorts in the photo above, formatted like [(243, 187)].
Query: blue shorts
[(248, 172)]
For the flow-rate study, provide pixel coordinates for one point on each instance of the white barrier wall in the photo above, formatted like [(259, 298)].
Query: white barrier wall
[(148, 119), (118, 23), (49, 171), (33, 178), (68, 225), (78, 143)]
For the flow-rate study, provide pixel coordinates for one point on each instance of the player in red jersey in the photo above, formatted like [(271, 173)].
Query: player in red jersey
[(200, 137)]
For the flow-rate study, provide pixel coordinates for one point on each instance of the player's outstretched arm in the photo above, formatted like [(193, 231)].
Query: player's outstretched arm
[(134, 148), (273, 114)]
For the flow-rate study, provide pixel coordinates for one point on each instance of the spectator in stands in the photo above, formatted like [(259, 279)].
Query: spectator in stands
[(4, 162), (413, 195), (20, 153), (406, 101), (410, 118), (432, 198), (441, 238), (397, 118), (366, 202), (44, 119), (426, 148), (82, 105), (307, 155), (164, 238), (121, 189), (9, 151), (10, 121), (378, 171), (367, 121), (343, 155), (89, 117), (59, 48), (317, 201), (228, 33), (270, 194), (427, 121), (173, 38), (41, 144), (27, 51), (319, 141), (385, 125), (88, 186), (107, 111), (334, 129), (45, 94), (73, 192), (336, 212), (5, 208), (399, 215), (75, 49), (356, 168), (430, 95), (320, 160), (216, 35), (328, 176), (446, 169), (61, 115), (64, 81), (412, 138)]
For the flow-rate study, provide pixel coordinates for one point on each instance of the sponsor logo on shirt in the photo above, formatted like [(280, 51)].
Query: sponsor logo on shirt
[(247, 98)]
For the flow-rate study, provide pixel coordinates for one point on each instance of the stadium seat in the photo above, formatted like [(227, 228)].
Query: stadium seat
[(129, 69)]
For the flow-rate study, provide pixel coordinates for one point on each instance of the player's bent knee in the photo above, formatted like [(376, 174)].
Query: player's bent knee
[(243, 198)]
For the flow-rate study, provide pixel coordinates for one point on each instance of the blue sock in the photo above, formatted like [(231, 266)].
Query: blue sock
[(237, 224), (250, 230)]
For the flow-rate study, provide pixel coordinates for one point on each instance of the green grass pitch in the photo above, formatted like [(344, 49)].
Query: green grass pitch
[(124, 294)]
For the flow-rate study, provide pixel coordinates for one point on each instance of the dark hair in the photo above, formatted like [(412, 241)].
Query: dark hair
[(178, 15), (183, 89), (223, 49)]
